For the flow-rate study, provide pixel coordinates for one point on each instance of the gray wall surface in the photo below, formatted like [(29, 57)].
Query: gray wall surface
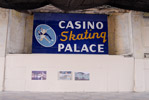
[(21, 29)]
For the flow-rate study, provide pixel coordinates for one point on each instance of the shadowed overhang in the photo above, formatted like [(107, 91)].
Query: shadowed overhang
[(67, 5)]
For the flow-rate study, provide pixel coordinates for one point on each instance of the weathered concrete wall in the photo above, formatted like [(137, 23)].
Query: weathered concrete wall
[(3, 38), (141, 75), (21, 30), (2, 71), (16, 36), (141, 46), (120, 34), (19, 33), (107, 73), (140, 27), (16, 32), (128, 35), (126, 32), (19, 40), (3, 30), (28, 34)]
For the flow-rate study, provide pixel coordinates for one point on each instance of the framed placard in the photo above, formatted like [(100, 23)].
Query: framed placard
[(39, 75), (70, 34), (82, 76), (65, 75)]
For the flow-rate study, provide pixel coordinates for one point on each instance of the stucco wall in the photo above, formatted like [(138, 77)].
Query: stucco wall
[(19, 33), (128, 34), (21, 30), (3, 30), (3, 38), (140, 34), (141, 75), (2, 63), (120, 34), (107, 73)]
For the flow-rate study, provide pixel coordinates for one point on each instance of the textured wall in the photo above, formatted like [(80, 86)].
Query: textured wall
[(120, 34), (128, 33), (141, 45), (3, 38), (3, 30), (19, 33), (2, 63), (21, 30), (116, 75), (13, 30), (140, 27), (16, 32), (28, 34), (141, 75)]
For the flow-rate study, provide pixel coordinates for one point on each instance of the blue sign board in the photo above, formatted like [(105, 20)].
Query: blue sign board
[(70, 33)]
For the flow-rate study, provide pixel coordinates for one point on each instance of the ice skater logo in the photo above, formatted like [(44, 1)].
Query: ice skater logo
[(45, 35)]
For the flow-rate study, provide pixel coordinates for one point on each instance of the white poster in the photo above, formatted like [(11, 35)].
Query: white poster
[(65, 75), (82, 76)]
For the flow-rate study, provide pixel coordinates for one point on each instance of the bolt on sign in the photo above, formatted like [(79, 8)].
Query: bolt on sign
[(70, 34)]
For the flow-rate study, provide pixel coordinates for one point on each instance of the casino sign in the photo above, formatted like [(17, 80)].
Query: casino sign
[(70, 34)]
